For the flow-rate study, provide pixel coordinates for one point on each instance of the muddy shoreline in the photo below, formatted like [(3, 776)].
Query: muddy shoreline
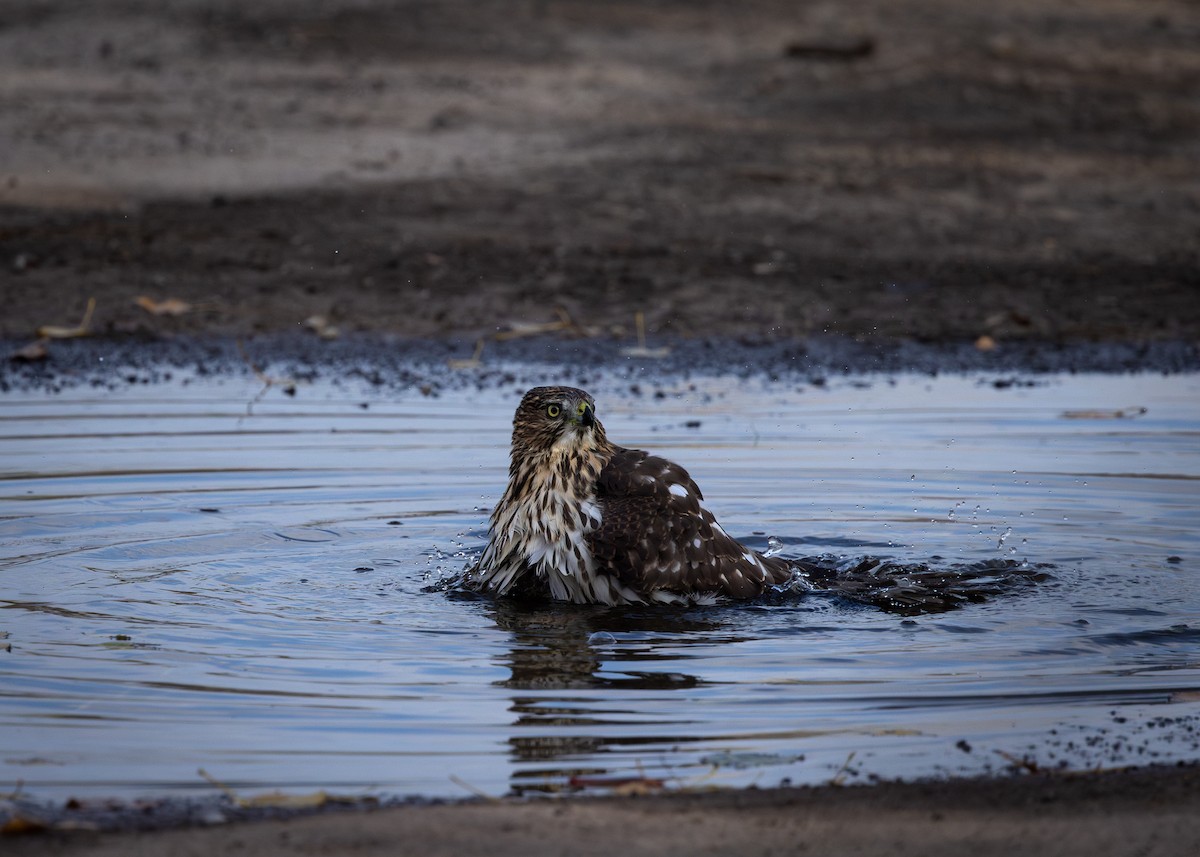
[(1148, 811), (429, 365)]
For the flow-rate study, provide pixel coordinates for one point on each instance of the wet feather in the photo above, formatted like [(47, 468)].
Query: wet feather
[(587, 521)]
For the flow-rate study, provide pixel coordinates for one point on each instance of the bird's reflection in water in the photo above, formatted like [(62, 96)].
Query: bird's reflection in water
[(589, 677), (559, 647)]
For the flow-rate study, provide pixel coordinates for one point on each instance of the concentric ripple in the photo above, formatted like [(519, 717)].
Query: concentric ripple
[(196, 576)]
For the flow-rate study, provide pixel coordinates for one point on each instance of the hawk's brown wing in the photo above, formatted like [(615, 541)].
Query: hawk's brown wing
[(656, 534)]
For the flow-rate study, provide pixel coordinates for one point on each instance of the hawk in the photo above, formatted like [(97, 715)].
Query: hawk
[(587, 521)]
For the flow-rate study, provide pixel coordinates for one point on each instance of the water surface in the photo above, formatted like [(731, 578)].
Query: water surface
[(193, 577)]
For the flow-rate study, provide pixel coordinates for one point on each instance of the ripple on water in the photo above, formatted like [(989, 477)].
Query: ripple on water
[(184, 583)]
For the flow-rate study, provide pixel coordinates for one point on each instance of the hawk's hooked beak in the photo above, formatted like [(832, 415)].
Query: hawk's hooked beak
[(587, 415)]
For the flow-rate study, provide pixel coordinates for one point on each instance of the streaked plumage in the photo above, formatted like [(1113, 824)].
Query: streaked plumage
[(587, 521)]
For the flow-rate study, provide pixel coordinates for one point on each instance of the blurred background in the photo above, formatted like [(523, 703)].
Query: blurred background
[(928, 169)]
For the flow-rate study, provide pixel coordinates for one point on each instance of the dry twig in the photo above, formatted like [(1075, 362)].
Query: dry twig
[(51, 331), (518, 330), (640, 350)]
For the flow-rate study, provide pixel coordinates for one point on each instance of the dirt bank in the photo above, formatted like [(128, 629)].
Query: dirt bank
[(922, 169)]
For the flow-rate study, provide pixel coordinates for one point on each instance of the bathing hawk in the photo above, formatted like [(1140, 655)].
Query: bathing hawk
[(587, 521)]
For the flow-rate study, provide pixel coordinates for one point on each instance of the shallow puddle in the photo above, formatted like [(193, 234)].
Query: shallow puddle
[(193, 577)]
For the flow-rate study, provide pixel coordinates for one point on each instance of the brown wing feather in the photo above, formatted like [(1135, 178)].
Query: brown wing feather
[(654, 533)]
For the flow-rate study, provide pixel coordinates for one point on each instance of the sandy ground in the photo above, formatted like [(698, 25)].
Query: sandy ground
[(771, 170), (1153, 813), (922, 169)]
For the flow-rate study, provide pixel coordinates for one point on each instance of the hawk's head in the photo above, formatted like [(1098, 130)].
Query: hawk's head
[(551, 418)]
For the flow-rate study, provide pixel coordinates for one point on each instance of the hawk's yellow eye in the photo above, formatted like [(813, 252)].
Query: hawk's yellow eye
[(554, 410)]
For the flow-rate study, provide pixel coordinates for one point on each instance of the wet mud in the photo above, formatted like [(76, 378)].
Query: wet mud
[(432, 365)]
